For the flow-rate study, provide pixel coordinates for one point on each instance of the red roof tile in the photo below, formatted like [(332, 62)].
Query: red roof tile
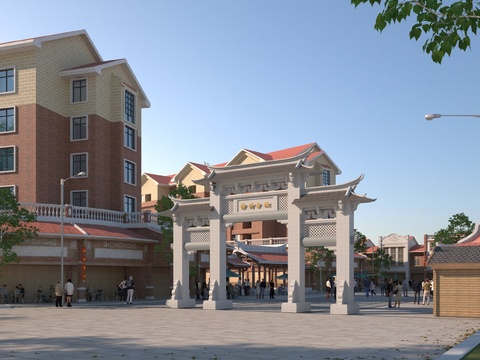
[(161, 179), (289, 152), (109, 231), (55, 228)]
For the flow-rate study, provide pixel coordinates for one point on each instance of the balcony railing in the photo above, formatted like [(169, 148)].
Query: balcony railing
[(86, 215), (266, 241)]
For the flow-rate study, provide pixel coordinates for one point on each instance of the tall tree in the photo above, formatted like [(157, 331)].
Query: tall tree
[(15, 226), (166, 223), (361, 242), (459, 226), (449, 26)]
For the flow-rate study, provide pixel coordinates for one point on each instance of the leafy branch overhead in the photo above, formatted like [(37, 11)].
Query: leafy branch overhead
[(447, 26), (14, 226), (166, 223)]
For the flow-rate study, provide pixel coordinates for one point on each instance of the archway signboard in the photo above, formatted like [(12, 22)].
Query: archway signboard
[(270, 190)]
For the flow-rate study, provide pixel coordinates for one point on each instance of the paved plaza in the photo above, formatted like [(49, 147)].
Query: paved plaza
[(253, 329)]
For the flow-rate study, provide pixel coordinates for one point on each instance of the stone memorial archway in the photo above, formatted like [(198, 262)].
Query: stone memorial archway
[(270, 190)]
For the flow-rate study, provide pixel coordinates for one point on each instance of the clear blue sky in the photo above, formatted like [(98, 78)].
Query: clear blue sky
[(267, 75)]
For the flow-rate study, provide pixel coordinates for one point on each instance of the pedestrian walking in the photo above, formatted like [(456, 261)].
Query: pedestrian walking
[(58, 294), (130, 287), (397, 292), (417, 287), (426, 291), (69, 288), (263, 285), (272, 289), (389, 292), (372, 287)]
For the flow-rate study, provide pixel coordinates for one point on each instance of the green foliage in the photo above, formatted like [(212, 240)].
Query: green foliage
[(360, 244), (448, 26), (381, 261), (166, 224), (314, 254), (14, 226), (459, 226)]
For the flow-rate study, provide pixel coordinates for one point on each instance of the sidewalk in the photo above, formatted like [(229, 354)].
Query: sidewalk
[(253, 329)]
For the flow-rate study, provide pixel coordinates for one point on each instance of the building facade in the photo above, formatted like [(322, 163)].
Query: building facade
[(67, 114), (65, 111)]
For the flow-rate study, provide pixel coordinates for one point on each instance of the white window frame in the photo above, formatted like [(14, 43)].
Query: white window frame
[(14, 79), (324, 170), (135, 95), (14, 119), (71, 127), (125, 177), (14, 159), (72, 172), (12, 187), (72, 93), (129, 125), (79, 191), (125, 200)]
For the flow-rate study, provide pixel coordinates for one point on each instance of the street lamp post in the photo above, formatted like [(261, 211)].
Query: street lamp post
[(62, 214), (436, 116)]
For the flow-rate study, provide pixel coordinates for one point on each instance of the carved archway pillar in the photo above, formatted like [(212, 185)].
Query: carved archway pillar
[(217, 299), (296, 251), (345, 304), (181, 289)]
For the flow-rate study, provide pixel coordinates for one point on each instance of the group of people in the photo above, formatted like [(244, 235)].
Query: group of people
[(395, 289), (126, 289), (18, 294)]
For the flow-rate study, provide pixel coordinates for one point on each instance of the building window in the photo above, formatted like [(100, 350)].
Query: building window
[(79, 164), (129, 107), (129, 138), (7, 159), (79, 128), (326, 177), (79, 198), (129, 204), (79, 90), (148, 197), (400, 255), (129, 172), (7, 80), (9, 187), (7, 120), (418, 261)]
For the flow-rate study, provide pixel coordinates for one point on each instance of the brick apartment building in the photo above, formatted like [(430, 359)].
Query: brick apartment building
[(64, 111)]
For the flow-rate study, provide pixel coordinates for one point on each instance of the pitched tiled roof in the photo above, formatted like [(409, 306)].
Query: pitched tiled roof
[(88, 231), (111, 232), (417, 249), (473, 242), (161, 179), (237, 263), (289, 152), (454, 254), (86, 66), (45, 228)]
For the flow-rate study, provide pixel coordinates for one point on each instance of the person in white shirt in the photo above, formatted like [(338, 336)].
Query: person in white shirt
[(69, 292)]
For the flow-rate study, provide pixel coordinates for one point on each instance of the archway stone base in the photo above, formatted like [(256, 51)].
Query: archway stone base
[(181, 304), (344, 309), (299, 307), (218, 304)]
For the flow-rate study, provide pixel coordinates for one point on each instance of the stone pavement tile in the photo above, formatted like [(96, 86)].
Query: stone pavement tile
[(251, 330)]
